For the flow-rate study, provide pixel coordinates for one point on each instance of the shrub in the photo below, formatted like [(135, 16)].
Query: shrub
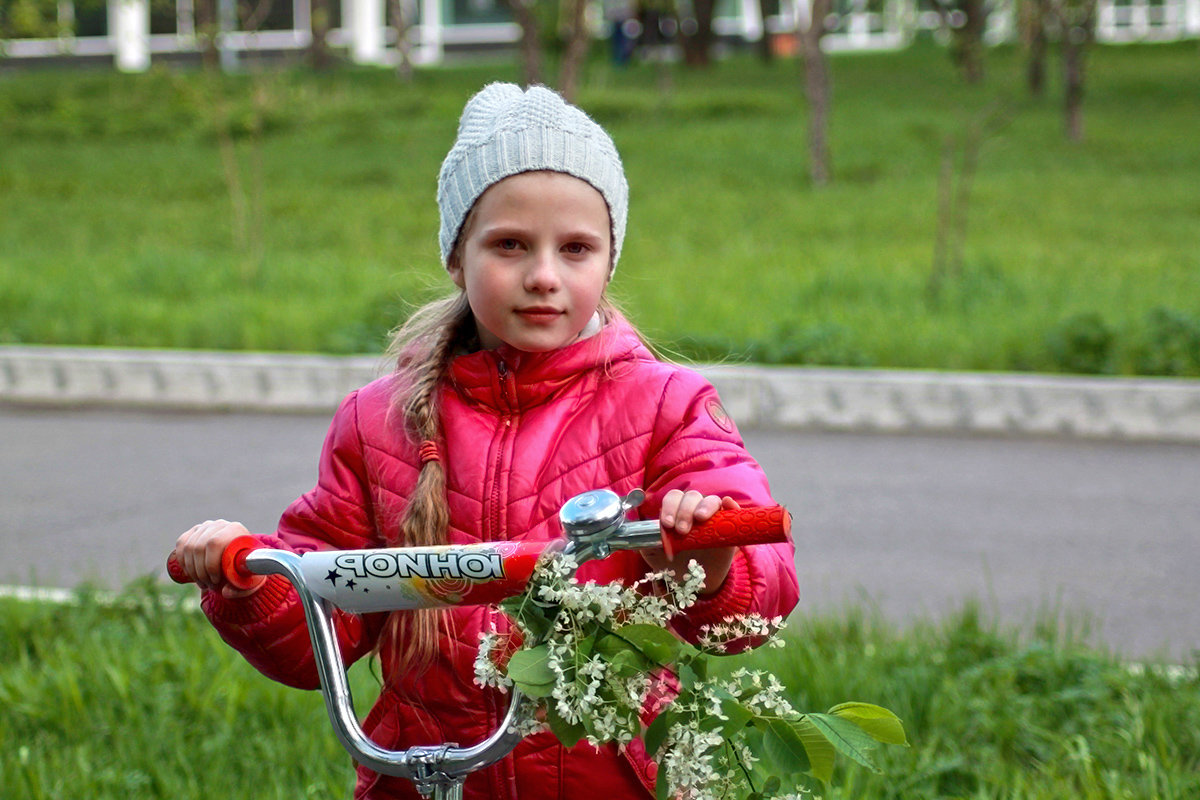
[(1169, 344), (1082, 343)]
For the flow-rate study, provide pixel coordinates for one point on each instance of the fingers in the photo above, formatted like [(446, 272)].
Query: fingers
[(200, 548), (682, 510)]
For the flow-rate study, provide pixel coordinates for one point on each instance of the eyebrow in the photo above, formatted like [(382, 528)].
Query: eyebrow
[(516, 231)]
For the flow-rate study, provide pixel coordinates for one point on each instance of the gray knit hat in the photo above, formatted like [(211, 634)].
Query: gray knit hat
[(504, 131)]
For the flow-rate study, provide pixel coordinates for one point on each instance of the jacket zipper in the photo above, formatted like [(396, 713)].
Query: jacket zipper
[(494, 532), (507, 395)]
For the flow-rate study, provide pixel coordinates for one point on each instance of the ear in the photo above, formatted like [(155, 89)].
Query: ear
[(454, 267)]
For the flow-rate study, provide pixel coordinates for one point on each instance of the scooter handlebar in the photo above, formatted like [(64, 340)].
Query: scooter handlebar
[(233, 564), (732, 528)]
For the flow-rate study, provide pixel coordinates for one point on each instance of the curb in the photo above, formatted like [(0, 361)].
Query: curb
[(894, 401)]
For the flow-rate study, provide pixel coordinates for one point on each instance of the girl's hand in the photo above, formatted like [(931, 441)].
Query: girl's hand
[(681, 511), (199, 552)]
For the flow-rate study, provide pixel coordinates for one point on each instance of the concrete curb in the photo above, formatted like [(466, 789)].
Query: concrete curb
[(758, 397)]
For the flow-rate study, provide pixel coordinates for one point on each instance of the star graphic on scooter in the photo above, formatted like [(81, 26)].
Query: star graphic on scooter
[(333, 576), (350, 584)]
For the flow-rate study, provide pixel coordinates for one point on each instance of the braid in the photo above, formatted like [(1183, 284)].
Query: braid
[(423, 348)]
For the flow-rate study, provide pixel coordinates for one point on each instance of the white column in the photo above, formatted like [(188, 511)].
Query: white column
[(185, 19), (858, 28), (366, 31), (130, 34), (754, 27), (227, 25), (1191, 17), (302, 17), (803, 14), (429, 49), (1139, 18)]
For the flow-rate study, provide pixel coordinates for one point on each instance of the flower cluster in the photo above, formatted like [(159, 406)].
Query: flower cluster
[(594, 660)]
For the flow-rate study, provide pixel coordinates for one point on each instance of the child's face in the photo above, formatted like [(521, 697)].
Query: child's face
[(534, 260)]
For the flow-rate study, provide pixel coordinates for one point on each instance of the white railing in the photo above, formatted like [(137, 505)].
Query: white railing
[(368, 40)]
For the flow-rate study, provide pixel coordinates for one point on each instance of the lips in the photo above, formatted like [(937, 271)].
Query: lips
[(539, 313)]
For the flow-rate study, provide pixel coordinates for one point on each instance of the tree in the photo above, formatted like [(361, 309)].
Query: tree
[(531, 40), (696, 31), (1076, 22), (966, 20), (1031, 20), (318, 50), (765, 9), (402, 13), (206, 27), (575, 52), (818, 89)]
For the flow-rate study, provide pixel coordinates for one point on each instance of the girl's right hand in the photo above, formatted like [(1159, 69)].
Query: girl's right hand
[(199, 552)]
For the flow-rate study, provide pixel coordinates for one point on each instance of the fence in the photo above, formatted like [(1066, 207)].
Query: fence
[(133, 32)]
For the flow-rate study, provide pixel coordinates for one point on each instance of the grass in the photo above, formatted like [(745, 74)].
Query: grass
[(292, 211), (141, 699)]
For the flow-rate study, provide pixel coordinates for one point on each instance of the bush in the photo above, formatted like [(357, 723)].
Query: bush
[(1082, 343), (1169, 344)]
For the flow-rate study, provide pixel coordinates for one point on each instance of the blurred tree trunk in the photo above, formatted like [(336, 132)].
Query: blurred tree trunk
[(966, 20), (1077, 26), (818, 90), (206, 28), (318, 49), (575, 53), (764, 41), (696, 33), (531, 40), (401, 14), (1032, 21)]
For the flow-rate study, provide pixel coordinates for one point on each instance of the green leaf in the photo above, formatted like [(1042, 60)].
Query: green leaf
[(628, 664), (879, 723), (535, 620), (820, 751), (535, 689), (687, 676), (610, 646), (583, 648), (737, 717), (658, 644), (531, 668), (569, 733), (656, 734), (662, 787), (784, 746), (772, 785), (846, 737)]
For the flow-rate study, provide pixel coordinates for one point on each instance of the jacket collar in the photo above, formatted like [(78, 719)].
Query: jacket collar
[(508, 379)]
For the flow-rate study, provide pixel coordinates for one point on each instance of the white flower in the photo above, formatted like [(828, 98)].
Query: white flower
[(486, 671)]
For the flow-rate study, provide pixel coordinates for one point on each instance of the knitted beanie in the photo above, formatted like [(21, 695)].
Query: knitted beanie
[(505, 131)]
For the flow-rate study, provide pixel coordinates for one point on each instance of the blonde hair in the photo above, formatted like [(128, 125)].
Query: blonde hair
[(423, 348)]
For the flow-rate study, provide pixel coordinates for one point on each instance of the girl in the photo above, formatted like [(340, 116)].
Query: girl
[(523, 389)]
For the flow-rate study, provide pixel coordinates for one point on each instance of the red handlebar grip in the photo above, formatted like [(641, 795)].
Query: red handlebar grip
[(233, 564), (732, 527)]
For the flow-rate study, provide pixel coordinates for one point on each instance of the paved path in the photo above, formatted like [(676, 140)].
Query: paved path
[(913, 524)]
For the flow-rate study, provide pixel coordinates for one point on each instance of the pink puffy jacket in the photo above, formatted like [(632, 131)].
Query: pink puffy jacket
[(523, 432)]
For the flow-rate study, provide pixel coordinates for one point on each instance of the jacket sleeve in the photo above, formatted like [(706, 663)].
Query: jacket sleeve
[(268, 627), (697, 446)]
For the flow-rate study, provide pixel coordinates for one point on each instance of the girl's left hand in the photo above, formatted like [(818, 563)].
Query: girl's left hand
[(681, 511)]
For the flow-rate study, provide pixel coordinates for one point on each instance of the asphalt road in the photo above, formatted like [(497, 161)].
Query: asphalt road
[(1104, 533)]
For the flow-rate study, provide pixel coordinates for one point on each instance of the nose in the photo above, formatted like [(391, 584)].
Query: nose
[(542, 276)]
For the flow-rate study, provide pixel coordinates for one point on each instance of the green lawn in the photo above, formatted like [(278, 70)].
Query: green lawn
[(118, 225), (142, 700)]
